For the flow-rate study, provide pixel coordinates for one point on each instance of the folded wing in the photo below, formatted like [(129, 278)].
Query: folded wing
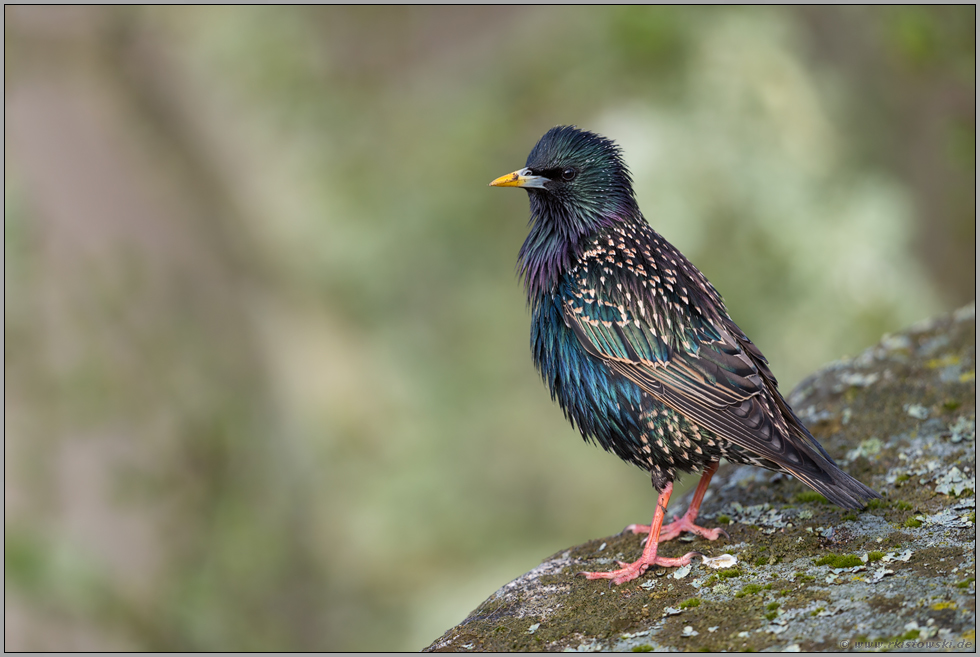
[(711, 373)]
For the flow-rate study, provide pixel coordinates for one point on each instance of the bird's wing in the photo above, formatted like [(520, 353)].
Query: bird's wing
[(703, 367)]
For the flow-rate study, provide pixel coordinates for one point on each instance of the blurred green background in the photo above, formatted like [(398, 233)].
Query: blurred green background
[(267, 383)]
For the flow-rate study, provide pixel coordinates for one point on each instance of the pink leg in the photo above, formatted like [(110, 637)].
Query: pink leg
[(686, 523), (630, 571)]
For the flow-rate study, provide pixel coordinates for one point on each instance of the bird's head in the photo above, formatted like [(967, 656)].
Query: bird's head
[(575, 179)]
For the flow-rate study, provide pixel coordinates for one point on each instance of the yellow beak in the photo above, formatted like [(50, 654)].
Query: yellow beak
[(521, 178)]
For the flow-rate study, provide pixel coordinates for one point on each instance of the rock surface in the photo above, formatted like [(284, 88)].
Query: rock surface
[(901, 417)]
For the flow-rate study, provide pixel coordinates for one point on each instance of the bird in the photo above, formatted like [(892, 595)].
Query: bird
[(638, 348)]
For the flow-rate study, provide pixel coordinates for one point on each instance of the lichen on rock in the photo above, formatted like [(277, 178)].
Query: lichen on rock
[(809, 575)]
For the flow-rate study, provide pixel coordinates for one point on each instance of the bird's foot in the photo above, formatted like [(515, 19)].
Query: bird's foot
[(678, 527), (686, 524), (630, 571)]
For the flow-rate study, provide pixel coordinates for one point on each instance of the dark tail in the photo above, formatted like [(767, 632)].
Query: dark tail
[(826, 478)]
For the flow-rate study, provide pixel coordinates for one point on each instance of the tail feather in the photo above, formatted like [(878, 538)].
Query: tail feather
[(843, 490), (833, 483)]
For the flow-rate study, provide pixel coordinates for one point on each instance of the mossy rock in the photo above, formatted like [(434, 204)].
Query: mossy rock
[(901, 417)]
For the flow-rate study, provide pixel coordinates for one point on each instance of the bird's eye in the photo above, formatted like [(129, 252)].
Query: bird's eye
[(568, 174)]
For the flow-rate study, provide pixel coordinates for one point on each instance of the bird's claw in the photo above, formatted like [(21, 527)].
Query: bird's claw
[(675, 529), (681, 525), (630, 571)]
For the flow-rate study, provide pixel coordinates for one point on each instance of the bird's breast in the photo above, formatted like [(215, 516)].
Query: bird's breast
[(603, 405)]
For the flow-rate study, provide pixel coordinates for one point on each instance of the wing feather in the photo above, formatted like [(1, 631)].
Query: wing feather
[(723, 385)]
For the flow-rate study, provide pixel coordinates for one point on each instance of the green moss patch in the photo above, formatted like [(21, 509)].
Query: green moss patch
[(839, 561), (748, 589), (811, 496)]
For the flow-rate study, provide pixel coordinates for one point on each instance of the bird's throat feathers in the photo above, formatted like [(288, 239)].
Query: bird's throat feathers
[(554, 241)]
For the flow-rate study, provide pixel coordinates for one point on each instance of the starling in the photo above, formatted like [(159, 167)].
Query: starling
[(637, 346)]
